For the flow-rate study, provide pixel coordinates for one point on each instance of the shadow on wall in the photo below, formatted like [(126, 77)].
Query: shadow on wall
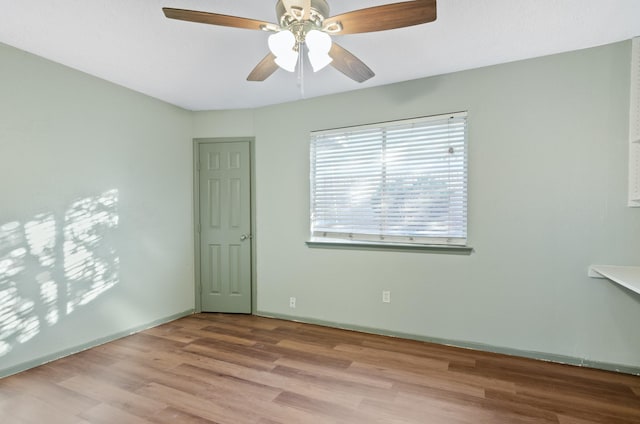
[(50, 267)]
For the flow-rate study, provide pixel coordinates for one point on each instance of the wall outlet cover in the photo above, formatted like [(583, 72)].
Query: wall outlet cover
[(386, 296)]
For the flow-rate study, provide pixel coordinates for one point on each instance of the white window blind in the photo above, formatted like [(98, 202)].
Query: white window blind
[(402, 181)]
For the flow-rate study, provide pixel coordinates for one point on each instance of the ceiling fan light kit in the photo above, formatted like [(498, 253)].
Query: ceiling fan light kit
[(307, 23)]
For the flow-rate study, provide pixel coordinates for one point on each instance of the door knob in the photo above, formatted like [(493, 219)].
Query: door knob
[(245, 236)]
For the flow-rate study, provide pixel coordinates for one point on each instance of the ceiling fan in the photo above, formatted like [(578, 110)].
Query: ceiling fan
[(307, 22)]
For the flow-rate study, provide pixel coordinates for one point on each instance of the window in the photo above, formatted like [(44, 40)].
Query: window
[(396, 182)]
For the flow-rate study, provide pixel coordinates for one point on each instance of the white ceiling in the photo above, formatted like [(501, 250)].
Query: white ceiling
[(204, 67)]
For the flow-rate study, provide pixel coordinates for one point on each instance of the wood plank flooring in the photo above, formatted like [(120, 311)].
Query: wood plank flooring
[(214, 368)]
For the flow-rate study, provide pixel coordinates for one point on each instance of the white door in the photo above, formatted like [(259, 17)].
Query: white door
[(225, 225)]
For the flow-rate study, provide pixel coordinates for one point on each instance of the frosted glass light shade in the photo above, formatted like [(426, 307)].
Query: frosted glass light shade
[(318, 41), (281, 43), (282, 46), (319, 60), (287, 61), (319, 45)]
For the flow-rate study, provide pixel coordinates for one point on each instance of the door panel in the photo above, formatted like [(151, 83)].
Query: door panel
[(225, 223)]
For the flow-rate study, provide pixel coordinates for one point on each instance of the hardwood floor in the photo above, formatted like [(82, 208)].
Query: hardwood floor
[(213, 368)]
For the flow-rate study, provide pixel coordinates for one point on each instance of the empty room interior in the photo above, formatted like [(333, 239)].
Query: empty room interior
[(192, 233)]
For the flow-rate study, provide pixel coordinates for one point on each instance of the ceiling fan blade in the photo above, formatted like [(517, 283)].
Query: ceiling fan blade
[(381, 18), (306, 9), (264, 69), (288, 6), (215, 19), (348, 64)]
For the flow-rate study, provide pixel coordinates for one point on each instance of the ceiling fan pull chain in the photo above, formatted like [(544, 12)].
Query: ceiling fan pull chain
[(300, 70)]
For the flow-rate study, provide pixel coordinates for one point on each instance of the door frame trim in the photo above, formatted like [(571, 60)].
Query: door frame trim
[(196, 215)]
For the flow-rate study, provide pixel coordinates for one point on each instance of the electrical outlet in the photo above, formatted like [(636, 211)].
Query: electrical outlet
[(292, 302), (386, 296)]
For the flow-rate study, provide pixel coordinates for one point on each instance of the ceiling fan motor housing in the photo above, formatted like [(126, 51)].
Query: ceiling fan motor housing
[(319, 11)]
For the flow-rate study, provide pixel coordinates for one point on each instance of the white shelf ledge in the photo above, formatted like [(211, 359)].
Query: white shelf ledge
[(626, 276)]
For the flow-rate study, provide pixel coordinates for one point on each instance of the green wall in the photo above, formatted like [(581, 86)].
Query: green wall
[(95, 210), (96, 206), (547, 198)]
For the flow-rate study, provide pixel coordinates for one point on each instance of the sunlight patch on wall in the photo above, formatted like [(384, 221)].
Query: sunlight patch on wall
[(49, 296), (90, 266), (41, 238), (49, 267), (16, 319)]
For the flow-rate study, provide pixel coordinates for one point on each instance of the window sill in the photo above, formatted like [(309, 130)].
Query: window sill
[(366, 245)]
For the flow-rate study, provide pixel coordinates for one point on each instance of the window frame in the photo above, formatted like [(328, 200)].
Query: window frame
[(328, 239)]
